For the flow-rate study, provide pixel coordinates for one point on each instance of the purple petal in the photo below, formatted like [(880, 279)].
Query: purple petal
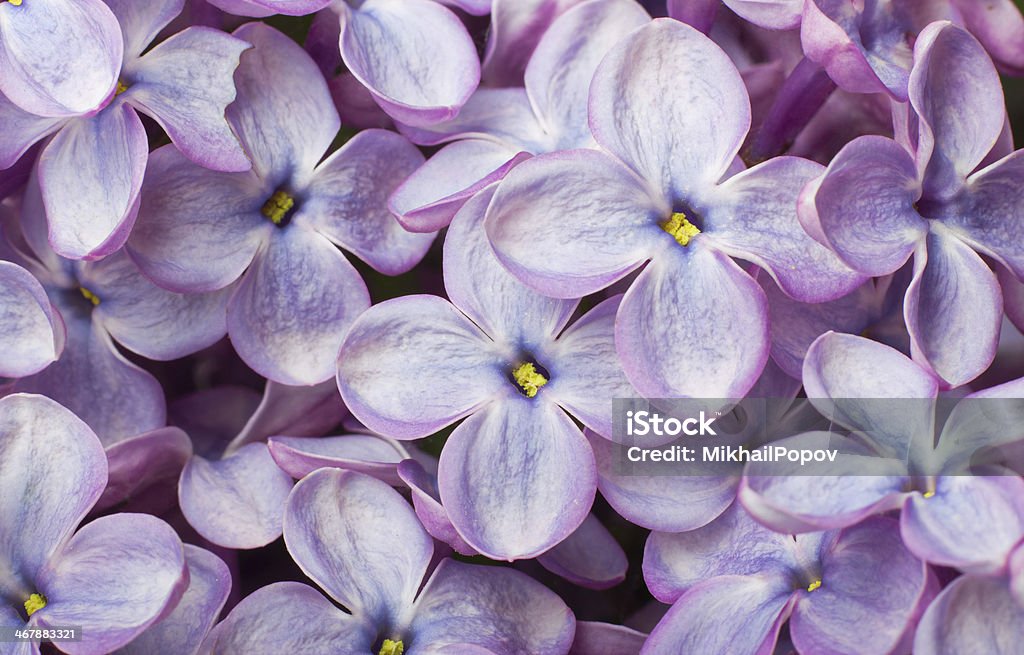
[(973, 615), (59, 58), (847, 613), (1000, 27), (21, 130), (570, 223), (211, 417), (261, 8), (150, 462), (758, 222), (289, 617), (698, 13), (277, 82), (31, 334), (91, 175), (953, 309), (429, 510), (47, 485), (384, 43), (375, 456), (360, 541), (185, 84), (141, 22), (516, 27), (293, 307), (679, 147), (415, 364), (472, 7), (865, 206), (295, 411), (117, 576), (502, 115), (517, 477), (497, 609), (772, 15), (478, 285), (183, 630), (593, 638), (347, 201), (955, 91), (236, 502), (590, 557), (693, 324)]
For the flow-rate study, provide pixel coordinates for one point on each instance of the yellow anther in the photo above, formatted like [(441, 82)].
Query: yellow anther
[(121, 88), (528, 379), (680, 228), (392, 648), (278, 207), (35, 603), (16, 3), (814, 585), (928, 494), (90, 296)]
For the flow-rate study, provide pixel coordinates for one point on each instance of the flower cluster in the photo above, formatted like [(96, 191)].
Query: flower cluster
[(316, 316)]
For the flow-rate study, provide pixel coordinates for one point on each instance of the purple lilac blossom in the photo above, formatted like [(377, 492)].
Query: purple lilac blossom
[(694, 323), (276, 228), (91, 170)]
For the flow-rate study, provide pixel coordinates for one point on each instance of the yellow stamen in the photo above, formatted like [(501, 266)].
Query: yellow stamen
[(392, 648), (928, 494), (814, 585), (121, 88), (278, 207), (680, 228), (16, 3), (528, 379), (35, 603), (90, 296)]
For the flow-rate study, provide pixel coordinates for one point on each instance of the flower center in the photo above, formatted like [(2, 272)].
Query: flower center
[(35, 603), (121, 88), (390, 647), (278, 208), (90, 296), (681, 229), (814, 585), (528, 379), (16, 3)]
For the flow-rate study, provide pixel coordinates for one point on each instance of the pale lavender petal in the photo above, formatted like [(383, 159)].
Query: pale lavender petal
[(375, 456), (517, 477), (953, 309), (590, 557), (497, 609), (293, 307), (21, 130), (429, 510), (1000, 28), (516, 27), (289, 617), (498, 303), (865, 206), (147, 463), (974, 615), (955, 90), (1013, 296), (571, 223), (772, 15), (236, 502), (182, 631), (354, 102), (347, 201), (698, 13), (200, 229), (294, 411), (91, 175), (59, 58), (502, 115), (693, 324), (412, 365), (117, 576), (261, 8), (31, 332), (593, 638), (753, 217), (283, 113), (185, 84), (679, 147), (360, 541), (142, 21), (52, 470), (386, 44)]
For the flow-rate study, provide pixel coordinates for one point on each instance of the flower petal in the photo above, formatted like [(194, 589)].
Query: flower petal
[(365, 453), (999, 27), (501, 115), (31, 334), (415, 364), (656, 103), (146, 465), (360, 541), (295, 411), (594, 638), (590, 557), (693, 324), (91, 175), (516, 27), (517, 478), (141, 22), (347, 201), (385, 43), (293, 307), (429, 511), (21, 130), (772, 15), (972, 616)]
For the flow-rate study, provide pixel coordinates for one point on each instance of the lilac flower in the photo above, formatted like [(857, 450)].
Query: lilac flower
[(974, 614), (927, 204), (360, 542), (948, 518), (31, 335), (497, 127), (113, 577), (91, 170), (734, 583), (694, 323), (275, 228), (517, 476), (516, 28)]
